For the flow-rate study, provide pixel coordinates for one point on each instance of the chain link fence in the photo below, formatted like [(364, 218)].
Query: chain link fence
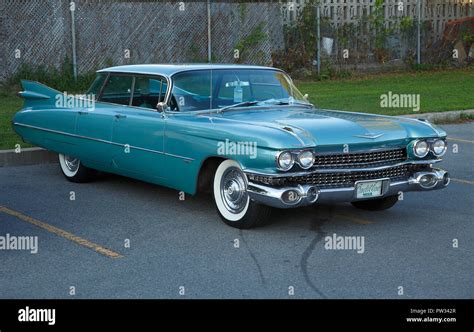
[(354, 34), (246, 32), (39, 32), (365, 35)]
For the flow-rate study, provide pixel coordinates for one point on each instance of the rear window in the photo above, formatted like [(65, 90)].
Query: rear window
[(97, 85)]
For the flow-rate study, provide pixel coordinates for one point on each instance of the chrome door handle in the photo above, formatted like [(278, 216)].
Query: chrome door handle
[(83, 112), (120, 116)]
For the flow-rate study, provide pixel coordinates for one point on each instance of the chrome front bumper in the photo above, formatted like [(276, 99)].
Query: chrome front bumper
[(309, 194)]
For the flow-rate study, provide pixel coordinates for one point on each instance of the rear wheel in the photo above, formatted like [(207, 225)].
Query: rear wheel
[(232, 200), (74, 171), (378, 204)]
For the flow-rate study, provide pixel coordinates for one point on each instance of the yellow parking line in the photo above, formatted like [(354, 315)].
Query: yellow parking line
[(462, 181), (359, 221), (69, 236), (460, 140)]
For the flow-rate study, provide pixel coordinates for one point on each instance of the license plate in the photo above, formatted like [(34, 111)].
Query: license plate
[(369, 189)]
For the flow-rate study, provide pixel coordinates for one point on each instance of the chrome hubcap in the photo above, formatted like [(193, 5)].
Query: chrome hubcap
[(72, 164), (234, 190)]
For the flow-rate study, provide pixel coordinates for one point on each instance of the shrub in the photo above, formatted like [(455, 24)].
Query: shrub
[(60, 78)]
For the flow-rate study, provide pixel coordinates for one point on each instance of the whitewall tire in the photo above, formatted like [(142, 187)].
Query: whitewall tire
[(233, 203), (74, 171)]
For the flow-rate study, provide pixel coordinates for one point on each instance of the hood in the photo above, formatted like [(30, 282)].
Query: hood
[(313, 127)]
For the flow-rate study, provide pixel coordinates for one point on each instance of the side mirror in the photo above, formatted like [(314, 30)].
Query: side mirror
[(161, 107), (306, 96)]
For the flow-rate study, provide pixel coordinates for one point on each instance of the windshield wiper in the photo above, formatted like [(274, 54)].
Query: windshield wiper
[(269, 101), (281, 102), (244, 103)]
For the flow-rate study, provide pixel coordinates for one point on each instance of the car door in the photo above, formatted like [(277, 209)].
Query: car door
[(138, 131), (94, 127)]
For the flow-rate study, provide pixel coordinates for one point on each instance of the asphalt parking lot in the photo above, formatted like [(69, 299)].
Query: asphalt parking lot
[(180, 249)]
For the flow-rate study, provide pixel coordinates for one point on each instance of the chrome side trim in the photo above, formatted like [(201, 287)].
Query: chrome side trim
[(101, 141), (178, 156), (344, 170)]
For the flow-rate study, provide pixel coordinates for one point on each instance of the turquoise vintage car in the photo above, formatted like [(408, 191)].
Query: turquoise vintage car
[(244, 133)]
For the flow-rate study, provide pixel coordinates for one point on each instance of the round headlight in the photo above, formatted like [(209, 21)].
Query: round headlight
[(421, 149), (305, 159), (285, 161), (439, 147)]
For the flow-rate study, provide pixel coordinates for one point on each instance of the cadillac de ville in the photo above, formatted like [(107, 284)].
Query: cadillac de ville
[(244, 133)]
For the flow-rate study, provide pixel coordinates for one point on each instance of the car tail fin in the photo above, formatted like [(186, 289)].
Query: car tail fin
[(38, 95)]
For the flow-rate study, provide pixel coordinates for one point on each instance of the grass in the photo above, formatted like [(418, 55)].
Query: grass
[(439, 91), (9, 105)]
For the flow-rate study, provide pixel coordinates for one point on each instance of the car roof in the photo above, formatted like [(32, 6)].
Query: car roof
[(170, 69)]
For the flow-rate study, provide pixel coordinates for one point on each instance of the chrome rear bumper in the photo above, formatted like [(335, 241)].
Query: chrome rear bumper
[(301, 195)]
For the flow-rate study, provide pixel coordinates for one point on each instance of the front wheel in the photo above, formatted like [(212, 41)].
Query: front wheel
[(378, 204), (74, 171), (232, 200)]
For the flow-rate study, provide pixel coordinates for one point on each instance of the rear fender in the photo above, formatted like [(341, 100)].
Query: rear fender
[(37, 95)]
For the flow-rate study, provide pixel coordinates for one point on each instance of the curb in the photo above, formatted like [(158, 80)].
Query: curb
[(35, 156), (442, 117), (27, 156)]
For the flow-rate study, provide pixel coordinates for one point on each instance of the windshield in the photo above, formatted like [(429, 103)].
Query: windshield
[(219, 88)]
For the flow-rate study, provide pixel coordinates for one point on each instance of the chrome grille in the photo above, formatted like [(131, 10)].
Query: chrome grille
[(349, 179), (341, 179), (365, 159)]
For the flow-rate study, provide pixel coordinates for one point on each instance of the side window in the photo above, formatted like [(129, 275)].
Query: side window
[(117, 90), (148, 91), (97, 85)]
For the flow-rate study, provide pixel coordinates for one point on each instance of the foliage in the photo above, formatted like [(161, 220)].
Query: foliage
[(377, 20), (345, 34), (256, 36), (467, 38), (407, 26), (60, 78), (300, 42)]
